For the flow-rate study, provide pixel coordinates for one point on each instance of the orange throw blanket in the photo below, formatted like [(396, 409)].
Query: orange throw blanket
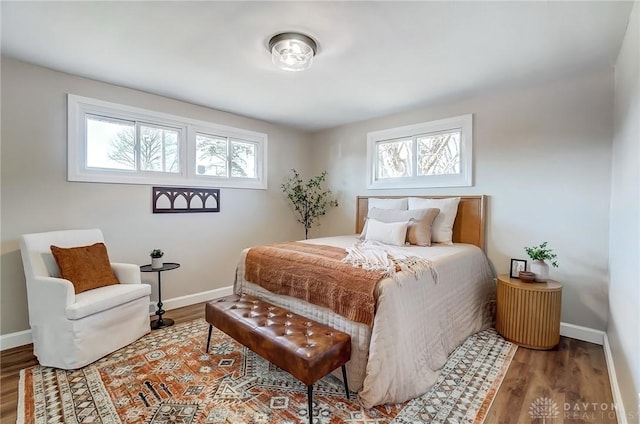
[(315, 273)]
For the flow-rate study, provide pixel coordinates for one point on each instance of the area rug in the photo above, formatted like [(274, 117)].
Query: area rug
[(166, 377)]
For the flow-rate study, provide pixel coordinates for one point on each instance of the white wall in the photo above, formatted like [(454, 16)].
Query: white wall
[(36, 196), (542, 154), (623, 330)]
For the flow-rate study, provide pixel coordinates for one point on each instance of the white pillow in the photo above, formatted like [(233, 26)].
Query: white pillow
[(389, 233), (397, 204), (442, 229), (420, 222)]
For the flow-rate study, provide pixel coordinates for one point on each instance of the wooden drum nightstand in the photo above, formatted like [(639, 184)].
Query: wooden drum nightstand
[(528, 314)]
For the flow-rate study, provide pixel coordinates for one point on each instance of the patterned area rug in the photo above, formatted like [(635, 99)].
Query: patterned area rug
[(166, 377)]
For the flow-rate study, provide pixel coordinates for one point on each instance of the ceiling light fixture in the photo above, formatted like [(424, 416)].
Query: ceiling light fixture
[(292, 51)]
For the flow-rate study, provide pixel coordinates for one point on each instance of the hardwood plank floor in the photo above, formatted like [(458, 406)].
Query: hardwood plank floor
[(572, 377)]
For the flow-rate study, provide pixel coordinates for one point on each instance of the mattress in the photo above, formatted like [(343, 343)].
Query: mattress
[(419, 321)]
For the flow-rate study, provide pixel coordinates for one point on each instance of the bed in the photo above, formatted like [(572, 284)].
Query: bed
[(418, 321)]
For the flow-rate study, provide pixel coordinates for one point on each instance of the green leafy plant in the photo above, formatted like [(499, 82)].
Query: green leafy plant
[(542, 253), (156, 253), (309, 199)]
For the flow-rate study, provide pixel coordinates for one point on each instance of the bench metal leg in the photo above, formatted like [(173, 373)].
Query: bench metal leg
[(310, 402), (344, 377), (209, 338)]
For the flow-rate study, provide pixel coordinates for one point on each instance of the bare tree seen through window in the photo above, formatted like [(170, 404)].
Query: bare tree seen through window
[(213, 157), (394, 159), (158, 149), (435, 154), (439, 154)]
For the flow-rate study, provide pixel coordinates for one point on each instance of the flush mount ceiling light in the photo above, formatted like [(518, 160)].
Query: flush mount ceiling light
[(292, 51)]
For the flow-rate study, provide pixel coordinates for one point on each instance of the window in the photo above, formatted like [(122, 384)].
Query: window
[(114, 143), (223, 157), (430, 154)]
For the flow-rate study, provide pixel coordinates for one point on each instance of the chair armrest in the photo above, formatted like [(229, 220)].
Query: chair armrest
[(48, 297), (126, 273)]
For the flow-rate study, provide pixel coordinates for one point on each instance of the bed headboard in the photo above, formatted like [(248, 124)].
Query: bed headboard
[(467, 228)]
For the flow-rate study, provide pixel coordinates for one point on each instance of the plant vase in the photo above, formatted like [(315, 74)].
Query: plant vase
[(156, 263), (541, 270)]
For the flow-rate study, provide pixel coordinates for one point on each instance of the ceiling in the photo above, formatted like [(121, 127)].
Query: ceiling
[(374, 58)]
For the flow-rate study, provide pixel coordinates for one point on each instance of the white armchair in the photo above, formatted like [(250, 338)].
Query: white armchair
[(72, 330)]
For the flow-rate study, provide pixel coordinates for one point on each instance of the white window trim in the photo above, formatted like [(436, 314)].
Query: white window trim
[(76, 144), (463, 179)]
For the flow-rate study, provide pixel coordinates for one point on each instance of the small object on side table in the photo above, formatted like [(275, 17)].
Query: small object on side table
[(527, 277), (156, 263), (160, 322), (156, 258)]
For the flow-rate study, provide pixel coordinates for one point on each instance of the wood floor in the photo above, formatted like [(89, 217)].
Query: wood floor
[(569, 383)]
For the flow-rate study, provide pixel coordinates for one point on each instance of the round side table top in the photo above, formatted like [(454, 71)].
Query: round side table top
[(167, 266), (549, 285)]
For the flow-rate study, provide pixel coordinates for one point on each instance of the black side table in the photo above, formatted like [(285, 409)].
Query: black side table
[(160, 322)]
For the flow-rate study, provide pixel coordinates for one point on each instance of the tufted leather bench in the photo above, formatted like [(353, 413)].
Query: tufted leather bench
[(306, 349)]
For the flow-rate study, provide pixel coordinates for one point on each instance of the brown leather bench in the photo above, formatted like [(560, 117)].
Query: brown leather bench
[(304, 348)]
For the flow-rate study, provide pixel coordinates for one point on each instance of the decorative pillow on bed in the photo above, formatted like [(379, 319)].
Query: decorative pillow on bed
[(420, 221), (442, 229), (386, 232), (87, 267), (397, 204)]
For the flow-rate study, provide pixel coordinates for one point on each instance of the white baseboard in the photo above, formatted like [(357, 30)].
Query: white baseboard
[(21, 338), (191, 299), (613, 379), (11, 340), (585, 334)]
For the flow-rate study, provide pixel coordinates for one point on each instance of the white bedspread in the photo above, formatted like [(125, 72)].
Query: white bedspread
[(418, 322)]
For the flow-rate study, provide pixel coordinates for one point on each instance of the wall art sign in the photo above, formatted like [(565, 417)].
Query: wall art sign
[(185, 199)]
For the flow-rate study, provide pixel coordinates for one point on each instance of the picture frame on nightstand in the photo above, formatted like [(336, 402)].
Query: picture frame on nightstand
[(517, 265)]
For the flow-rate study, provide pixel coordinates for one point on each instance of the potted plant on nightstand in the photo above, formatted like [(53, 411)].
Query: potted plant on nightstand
[(156, 258), (540, 254)]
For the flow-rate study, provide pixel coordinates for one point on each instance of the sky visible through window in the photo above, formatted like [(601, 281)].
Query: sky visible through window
[(101, 134)]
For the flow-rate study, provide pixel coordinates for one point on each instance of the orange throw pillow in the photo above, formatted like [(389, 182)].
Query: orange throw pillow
[(87, 267)]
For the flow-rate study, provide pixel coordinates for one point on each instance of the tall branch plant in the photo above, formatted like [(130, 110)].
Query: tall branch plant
[(310, 200)]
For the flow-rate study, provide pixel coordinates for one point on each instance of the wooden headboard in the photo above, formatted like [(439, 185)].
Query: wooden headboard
[(467, 228)]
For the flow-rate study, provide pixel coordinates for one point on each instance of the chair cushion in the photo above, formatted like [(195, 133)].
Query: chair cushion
[(103, 298), (87, 267)]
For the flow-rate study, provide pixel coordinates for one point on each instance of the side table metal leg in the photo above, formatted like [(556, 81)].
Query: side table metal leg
[(160, 322), (160, 311)]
